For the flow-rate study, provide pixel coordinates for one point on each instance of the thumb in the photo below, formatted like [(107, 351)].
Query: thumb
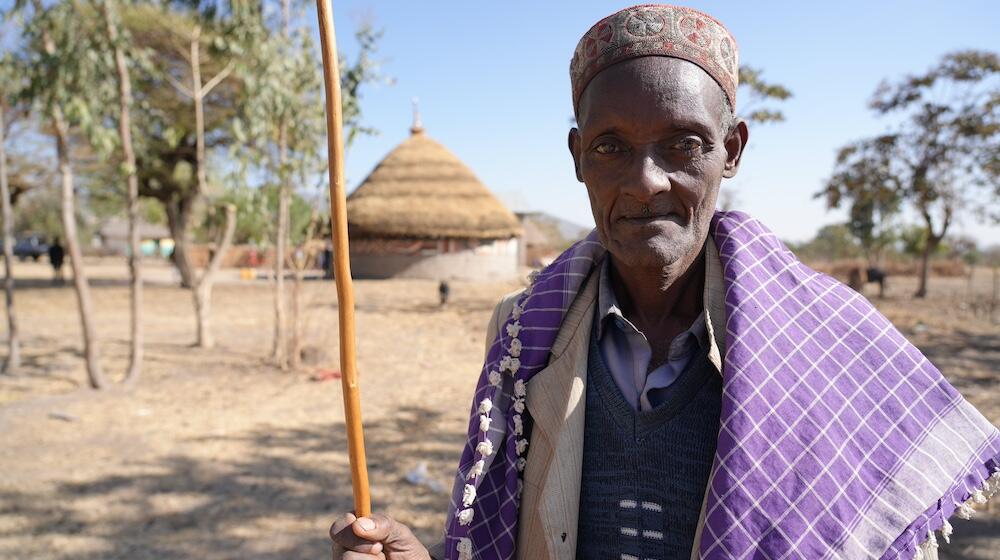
[(376, 527), (379, 528)]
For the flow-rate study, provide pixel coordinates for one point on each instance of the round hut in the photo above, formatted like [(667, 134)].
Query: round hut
[(422, 213)]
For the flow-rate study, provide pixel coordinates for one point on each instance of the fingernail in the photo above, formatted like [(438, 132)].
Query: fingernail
[(366, 524)]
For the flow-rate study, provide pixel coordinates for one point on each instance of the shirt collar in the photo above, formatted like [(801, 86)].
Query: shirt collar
[(714, 300)]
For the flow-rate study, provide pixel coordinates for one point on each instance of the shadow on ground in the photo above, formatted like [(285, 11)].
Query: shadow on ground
[(182, 507), (975, 539)]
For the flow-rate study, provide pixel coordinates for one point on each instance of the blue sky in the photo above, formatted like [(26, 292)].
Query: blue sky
[(492, 79)]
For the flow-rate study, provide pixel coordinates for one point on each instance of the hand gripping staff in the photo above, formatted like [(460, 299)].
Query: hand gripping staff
[(342, 263)]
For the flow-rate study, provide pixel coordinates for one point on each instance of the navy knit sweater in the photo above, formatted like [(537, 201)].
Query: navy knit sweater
[(644, 473)]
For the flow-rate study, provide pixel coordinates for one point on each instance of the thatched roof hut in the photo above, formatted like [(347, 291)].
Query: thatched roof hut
[(422, 190), (423, 213)]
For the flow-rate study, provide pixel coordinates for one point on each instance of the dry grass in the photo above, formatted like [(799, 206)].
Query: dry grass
[(217, 455)]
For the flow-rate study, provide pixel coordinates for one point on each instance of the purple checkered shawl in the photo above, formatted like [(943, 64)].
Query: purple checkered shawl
[(838, 438)]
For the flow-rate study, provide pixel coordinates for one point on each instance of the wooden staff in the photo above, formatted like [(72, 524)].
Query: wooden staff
[(342, 263)]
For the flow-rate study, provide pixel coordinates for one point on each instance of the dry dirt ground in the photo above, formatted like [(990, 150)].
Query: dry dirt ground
[(215, 454)]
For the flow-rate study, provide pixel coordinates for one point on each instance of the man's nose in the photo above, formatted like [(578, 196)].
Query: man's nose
[(649, 176)]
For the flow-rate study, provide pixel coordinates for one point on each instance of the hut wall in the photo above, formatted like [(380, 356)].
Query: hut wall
[(497, 260)]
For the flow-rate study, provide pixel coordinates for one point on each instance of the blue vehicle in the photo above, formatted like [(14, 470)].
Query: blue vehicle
[(30, 247)]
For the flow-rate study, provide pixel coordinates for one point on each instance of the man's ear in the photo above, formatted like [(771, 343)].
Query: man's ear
[(736, 142), (574, 143)]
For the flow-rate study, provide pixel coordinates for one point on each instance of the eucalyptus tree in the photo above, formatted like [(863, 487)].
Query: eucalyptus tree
[(69, 86), (281, 125), (281, 120), (9, 73), (119, 43)]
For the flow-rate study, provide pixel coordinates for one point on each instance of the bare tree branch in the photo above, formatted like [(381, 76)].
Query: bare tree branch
[(218, 78)]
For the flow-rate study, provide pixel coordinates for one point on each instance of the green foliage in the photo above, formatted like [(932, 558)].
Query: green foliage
[(832, 242), (277, 79), (913, 242), (364, 70), (755, 92), (163, 115), (70, 72), (282, 93), (255, 211), (863, 180), (964, 248), (39, 212), (282, 88), (282, 84)]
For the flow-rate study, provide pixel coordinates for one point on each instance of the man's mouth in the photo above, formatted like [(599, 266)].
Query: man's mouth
[(640, 218)]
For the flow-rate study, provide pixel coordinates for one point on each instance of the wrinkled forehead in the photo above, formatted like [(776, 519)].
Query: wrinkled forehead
[(650, 92), (657, 30)]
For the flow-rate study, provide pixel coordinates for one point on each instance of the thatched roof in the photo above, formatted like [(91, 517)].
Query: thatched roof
[(422, 190)]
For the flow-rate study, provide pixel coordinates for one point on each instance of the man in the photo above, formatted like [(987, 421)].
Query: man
[(678, 385), (56, 257)]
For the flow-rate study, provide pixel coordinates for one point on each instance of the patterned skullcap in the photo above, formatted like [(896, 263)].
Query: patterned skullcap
[(657, 30)]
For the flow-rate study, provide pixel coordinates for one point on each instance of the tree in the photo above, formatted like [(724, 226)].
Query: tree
[(863, 179), (202, 288), (759, 92), (281, 125), (174, 163), (832, 242), (171, 145), (203, 283), (8, 73), (117, 45), (68, 86), (299, 260), (197, 93), (944, 153)]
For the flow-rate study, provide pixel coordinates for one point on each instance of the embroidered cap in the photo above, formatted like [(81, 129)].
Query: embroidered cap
[(657, 30)]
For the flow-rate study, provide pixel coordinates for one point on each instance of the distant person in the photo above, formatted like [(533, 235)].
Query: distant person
[(56, 256), (444, 291), (678, 385)]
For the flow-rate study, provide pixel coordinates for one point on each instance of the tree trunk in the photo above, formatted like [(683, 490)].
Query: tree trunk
[(13, 341), (202, 294), (924, 271), (299, 265), (280, 350), (179, 214), (296, 352), (135, 250), (90, 344), (90, 347), (199, 111), (203, 288)]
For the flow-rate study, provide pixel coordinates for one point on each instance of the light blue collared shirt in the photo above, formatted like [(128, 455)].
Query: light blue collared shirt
[(627, 352)]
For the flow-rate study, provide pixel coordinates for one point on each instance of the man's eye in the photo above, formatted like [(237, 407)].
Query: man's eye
[(607, 148), (689, 144)]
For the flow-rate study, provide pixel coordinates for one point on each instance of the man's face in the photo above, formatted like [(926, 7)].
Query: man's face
[(651, 150)]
